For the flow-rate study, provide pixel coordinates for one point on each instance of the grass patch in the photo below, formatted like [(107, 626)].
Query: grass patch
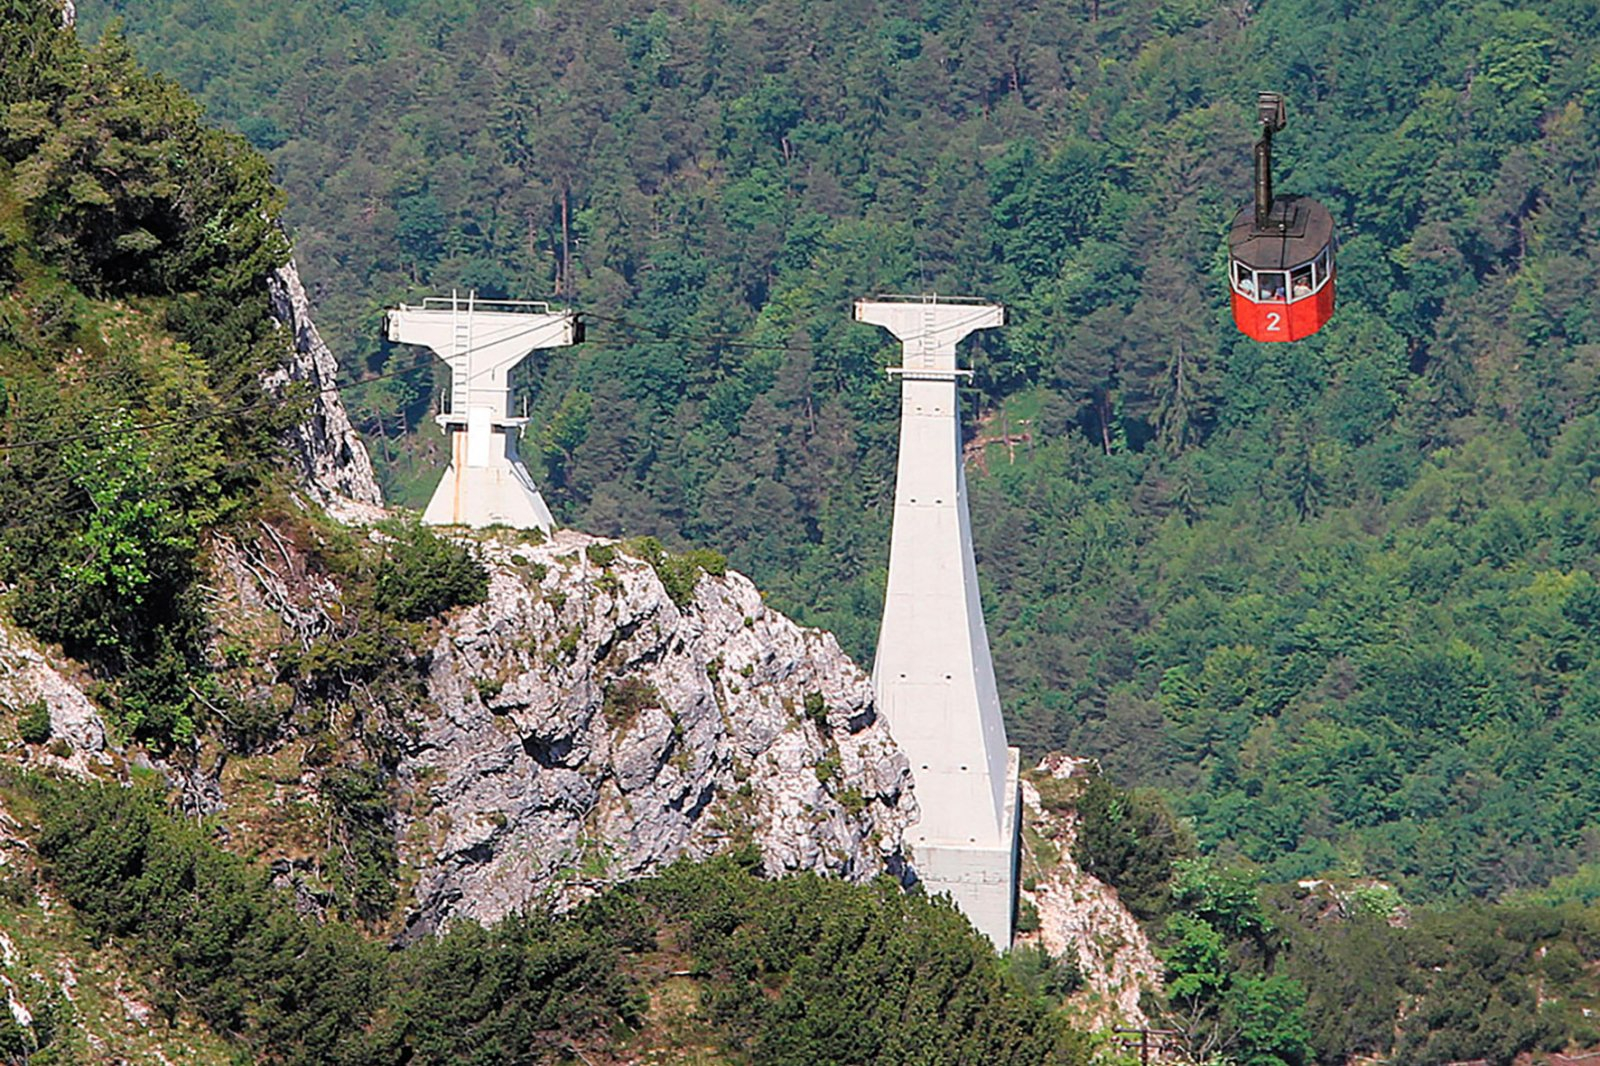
[(625, 698), (679, 574)]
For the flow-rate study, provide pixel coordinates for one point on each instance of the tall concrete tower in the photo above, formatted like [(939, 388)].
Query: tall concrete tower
[(933, 676), (482, 340)]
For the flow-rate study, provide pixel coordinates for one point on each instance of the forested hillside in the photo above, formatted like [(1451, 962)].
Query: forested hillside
[(1338, 596), (135, 244), (139, 452)]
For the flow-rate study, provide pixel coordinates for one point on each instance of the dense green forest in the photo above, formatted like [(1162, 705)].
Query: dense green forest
[(1333, 602), (1337, 597)]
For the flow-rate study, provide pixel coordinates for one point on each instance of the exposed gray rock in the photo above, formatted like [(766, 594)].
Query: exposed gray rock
[(331, 461), (589, 731), (26, 676), (1080, 916)]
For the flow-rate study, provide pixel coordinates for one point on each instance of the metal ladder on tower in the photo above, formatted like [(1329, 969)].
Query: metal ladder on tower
[(927, 346), (461, 344)]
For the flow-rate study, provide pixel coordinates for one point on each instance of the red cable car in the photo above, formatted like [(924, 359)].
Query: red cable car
[(1280, 251)]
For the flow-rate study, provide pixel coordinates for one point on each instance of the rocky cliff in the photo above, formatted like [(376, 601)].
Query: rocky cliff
[(585, 728), (29, 683), (1080, 917), (580, 727), (577, 728), (331, 463)]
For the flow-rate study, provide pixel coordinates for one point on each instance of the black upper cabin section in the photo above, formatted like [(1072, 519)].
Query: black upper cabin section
[(1297, 229)]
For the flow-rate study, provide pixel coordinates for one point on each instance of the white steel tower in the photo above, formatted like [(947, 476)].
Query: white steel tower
[(933, 677), (482, 340)]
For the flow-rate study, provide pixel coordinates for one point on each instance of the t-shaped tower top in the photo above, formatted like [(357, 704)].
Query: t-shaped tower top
[(929, 328), (933, 677), (482, 340)]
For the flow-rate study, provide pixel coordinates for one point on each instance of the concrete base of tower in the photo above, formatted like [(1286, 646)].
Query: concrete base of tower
[(979, 876), (480, 496)]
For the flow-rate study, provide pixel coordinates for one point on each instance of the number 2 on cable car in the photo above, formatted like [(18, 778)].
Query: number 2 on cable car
[(1274, 321)]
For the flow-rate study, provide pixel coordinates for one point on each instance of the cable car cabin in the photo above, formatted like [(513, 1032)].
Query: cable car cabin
[(1282, 274), (1280, 250)]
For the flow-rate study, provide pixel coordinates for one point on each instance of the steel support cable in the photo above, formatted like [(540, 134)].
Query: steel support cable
[(178, 420), (727, 340), (269, 401)]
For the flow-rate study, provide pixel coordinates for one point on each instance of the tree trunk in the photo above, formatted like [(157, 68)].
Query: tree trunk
[(563, 271)]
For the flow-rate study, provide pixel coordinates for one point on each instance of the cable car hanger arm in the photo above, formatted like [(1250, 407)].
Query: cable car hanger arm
[(1273, 116)]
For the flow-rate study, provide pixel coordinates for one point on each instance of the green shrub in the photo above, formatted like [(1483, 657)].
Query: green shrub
[(625, 698), (360, 654), (34, 725), (1130, 840), (248, 724), (366, 861), (817, 710), (154, 702), (422, 574), (1047, 978), (567, 647), (679, 574)]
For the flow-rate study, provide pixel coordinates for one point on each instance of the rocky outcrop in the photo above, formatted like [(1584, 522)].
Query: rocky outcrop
[(331, 462), (589, 730), (27, 680), (577, 729), (1081, 917)]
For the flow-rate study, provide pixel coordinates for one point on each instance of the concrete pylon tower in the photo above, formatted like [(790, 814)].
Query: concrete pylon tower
[(933, 677), (482, 340)]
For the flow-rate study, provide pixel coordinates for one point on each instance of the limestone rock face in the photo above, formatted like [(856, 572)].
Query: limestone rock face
[(27, 676), (577, 729), (1081, 916), (332, 463), (589, 730)]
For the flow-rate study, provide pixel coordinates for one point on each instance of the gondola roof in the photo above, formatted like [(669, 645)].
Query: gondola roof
[(1297, 230)]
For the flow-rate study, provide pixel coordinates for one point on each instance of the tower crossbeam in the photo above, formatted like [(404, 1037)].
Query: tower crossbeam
[(482, 341)]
